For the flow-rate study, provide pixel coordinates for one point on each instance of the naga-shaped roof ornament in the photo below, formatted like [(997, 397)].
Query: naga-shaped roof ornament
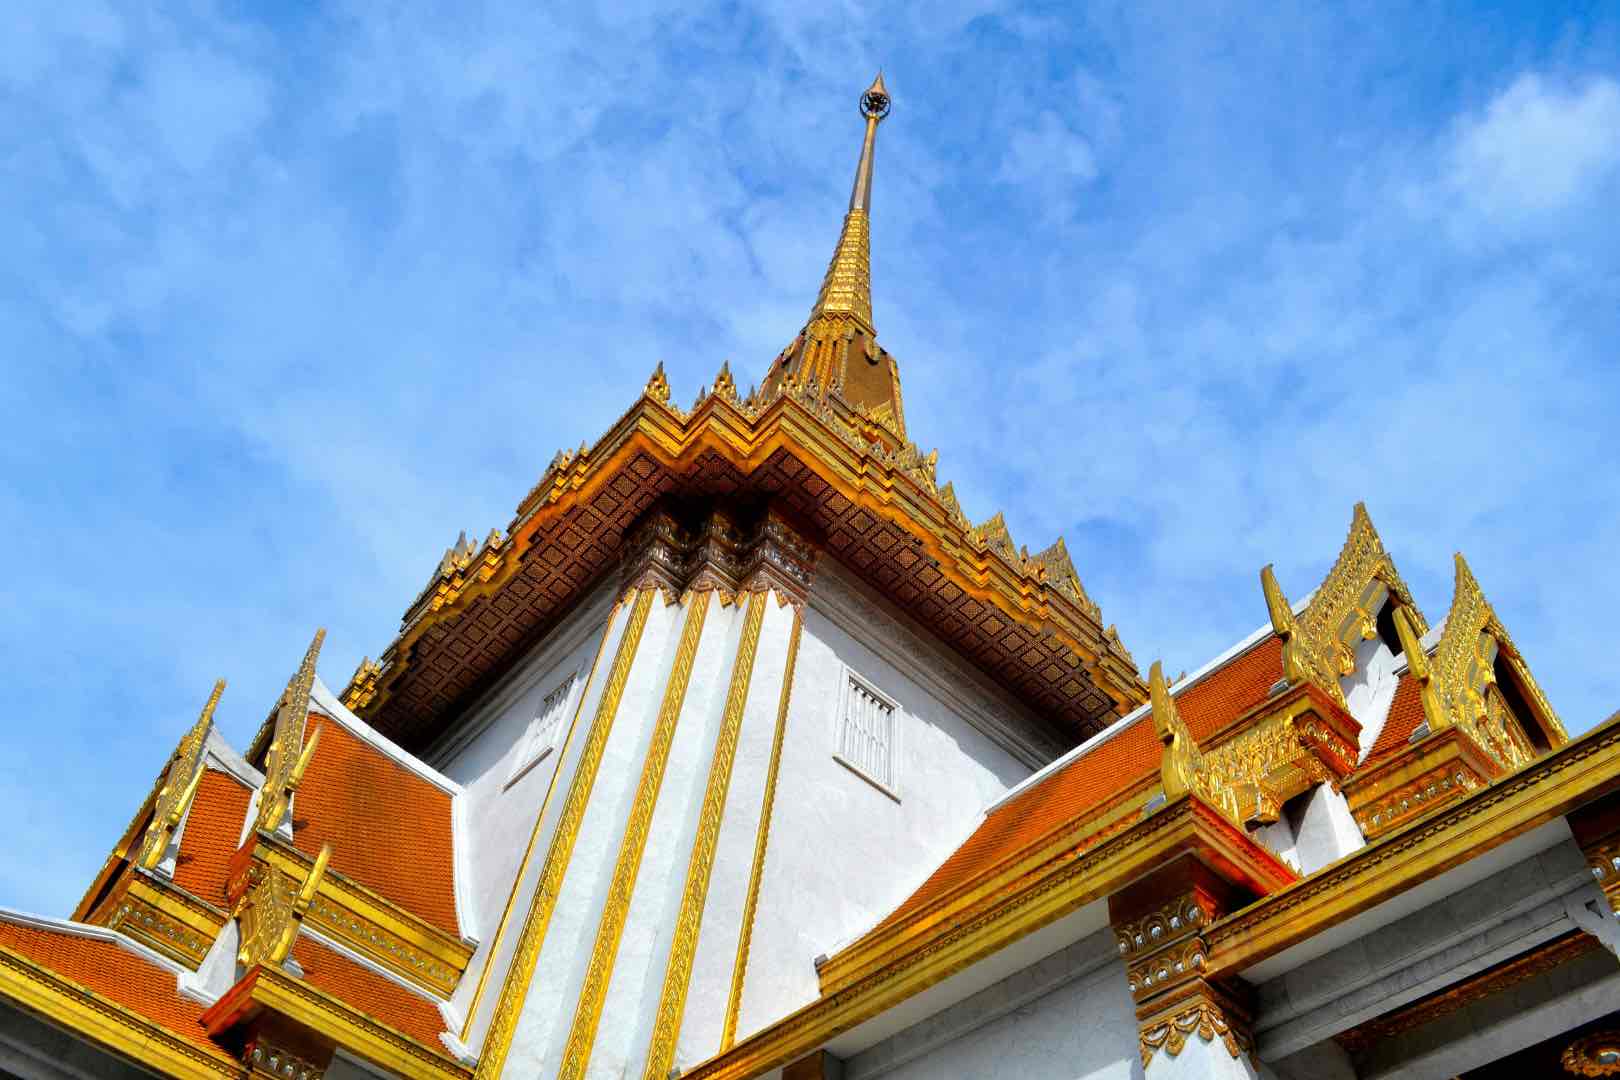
[(179, 785), (289, 755)]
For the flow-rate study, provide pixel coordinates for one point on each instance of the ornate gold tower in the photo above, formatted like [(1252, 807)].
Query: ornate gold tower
[(837, 351)]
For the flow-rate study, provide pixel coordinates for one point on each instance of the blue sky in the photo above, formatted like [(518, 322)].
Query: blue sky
[(287, 304)]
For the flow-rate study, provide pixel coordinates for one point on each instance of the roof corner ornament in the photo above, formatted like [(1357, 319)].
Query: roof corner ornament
[(1301, 656), (1417, 662), (658, 385), (180, 783), (289, 755), (1181, 761)]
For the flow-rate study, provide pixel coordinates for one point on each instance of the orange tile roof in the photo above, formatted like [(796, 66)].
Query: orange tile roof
[(212, 831), (1103, 775), (114, 973), (390, 829), (1405, 714), (365, 991)]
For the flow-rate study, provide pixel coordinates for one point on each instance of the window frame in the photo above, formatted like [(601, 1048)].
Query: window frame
[(849, 679), (534, 749)]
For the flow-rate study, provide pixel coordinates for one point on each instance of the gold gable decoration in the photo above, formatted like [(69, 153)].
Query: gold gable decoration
[(289, 755), (1182, 768), (1345, 608), (272, 911), (1462, 682), (179, 785)]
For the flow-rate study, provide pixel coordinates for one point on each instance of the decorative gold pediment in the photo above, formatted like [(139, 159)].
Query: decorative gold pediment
[(1460, 680), (1344, 610), (273, 909), (179, 785)]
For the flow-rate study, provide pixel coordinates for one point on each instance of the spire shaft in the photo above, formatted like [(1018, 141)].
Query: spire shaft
[(847, 288)]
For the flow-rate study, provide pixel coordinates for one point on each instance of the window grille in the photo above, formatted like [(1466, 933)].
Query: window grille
[(866, 733), (544, 730)]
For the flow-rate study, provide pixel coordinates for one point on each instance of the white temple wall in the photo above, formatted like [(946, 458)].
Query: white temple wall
[(499, 818), (1069, 1016), (843, 853)]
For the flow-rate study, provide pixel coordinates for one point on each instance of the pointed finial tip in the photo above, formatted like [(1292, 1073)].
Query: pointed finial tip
[(875, 101)]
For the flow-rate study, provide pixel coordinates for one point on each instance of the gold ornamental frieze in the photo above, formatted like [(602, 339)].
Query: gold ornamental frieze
[(1293, 742), (155, 912)]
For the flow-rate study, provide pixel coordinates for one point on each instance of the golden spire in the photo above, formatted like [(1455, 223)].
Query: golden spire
[(837, 354), (847, 288)]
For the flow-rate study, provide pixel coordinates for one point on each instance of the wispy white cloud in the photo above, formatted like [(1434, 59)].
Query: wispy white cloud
[(298, 299)]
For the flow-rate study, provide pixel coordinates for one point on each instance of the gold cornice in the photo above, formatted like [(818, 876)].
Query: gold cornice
[(626, 867), (1571, 775), (159, 914), (1071, 880), (683, 946), (891, 486), (270, 988), (1441, 768), (104, 1023), (520, 970)]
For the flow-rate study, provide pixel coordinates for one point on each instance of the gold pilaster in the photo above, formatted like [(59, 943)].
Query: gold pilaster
[(520, 973), (534, 833), (682, 950), (616, 908), (756, 873)]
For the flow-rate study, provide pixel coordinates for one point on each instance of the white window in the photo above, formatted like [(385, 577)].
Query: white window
[(866, 733), (544, 730)]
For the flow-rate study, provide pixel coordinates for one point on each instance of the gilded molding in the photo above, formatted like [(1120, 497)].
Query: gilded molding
[(289, 754), (683, 948), (756, 872), (534, 833), (1291, 743), (161, 916), (616, 908), (520, 972), (179, 785), (104, 1023), (270, 1061)]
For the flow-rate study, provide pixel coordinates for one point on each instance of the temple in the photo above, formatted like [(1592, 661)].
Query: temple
[(743, 751)]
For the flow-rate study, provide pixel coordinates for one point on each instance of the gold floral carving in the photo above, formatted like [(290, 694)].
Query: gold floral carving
[(520, 972), (682, 950), (289, 754), (1411, 800), (616, 907), (1604, 859), (273, 909), (179, 785), (658, 385), (756, 872), (1597, 1054), (1204, 1019), (1292, 746)]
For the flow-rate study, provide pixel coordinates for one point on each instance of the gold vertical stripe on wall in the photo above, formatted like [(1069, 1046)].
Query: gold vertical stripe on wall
[(593, 992), (683, 948), (498, 1041), (745, 934), (534, 834)]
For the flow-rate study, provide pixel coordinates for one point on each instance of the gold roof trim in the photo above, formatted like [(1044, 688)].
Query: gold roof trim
[(289, 754), (655, 445), (179, 785), (1345, 606)]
